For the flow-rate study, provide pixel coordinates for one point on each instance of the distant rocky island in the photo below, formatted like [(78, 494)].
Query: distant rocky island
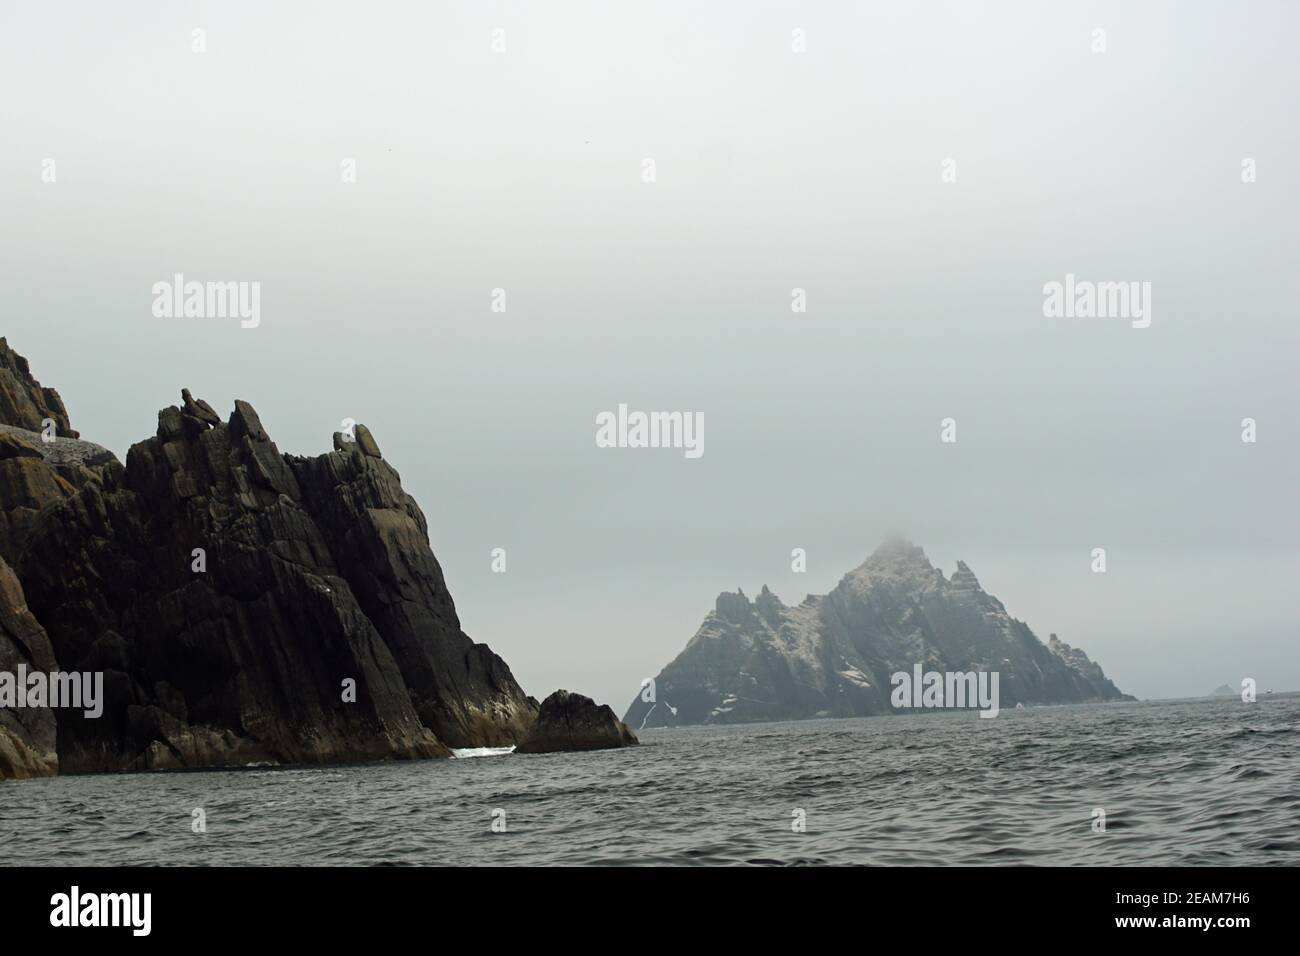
[(833, 654), (1223, 690), (242, 605)]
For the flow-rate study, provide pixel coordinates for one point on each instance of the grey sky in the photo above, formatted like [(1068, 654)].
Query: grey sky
[(775, 170)]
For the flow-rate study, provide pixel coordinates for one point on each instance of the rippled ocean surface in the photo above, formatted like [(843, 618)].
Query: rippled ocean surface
[(1183, 782)]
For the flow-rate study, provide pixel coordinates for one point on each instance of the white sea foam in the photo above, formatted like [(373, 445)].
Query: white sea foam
[(481, 751)]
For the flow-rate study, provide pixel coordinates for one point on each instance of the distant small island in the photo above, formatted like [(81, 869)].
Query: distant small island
[(832, 655)]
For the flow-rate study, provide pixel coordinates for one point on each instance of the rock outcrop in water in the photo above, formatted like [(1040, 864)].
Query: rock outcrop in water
[(572, 722), (244, 605), (832, 655)]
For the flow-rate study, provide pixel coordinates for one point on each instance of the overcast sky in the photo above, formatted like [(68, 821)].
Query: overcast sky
[(775, 170)]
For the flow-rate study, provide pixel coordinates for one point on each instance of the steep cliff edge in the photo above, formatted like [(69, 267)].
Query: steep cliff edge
[(24, 402), (832, 655)]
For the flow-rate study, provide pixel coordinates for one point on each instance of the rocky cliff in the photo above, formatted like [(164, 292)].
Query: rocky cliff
[(243, 605), (832, 655)]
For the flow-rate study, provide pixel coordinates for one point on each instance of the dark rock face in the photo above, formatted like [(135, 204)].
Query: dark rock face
[(27, 735), (833, 655), (572, 722), (229, 593), (244, 605)]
